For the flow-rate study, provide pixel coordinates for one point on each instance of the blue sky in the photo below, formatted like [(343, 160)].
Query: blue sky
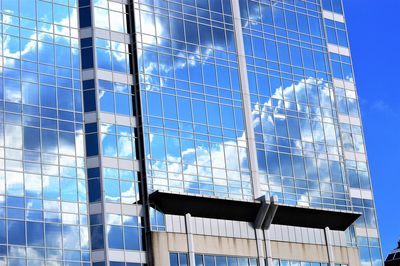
[(374, 32)]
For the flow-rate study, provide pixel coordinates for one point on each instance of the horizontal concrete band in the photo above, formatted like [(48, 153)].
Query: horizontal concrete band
[(165, 243)]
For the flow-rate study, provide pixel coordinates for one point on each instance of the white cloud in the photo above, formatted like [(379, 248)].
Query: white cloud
[(62, 32), (380, 106)]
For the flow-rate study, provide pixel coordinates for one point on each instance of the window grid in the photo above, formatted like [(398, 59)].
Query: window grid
[(297, 136), (43, 202), (185, 70)]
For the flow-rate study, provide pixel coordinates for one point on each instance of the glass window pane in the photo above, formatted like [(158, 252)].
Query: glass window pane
[(115, 239), (16, 232), (132, 238)]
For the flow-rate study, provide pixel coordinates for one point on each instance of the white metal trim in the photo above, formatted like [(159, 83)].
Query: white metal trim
[(237, 24)]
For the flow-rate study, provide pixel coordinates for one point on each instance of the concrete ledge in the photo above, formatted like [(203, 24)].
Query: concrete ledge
[(164, 243)]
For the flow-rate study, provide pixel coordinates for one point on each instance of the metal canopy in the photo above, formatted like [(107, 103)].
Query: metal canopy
[(314, 218), (205, 206), (251, 211)]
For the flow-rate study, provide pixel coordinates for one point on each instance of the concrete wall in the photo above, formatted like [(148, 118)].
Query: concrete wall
[(166, 242), (301, 252), (225, 246), (348, 256)]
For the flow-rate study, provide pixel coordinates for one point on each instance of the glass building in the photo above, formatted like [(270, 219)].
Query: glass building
[(181, 132), (393, 258)]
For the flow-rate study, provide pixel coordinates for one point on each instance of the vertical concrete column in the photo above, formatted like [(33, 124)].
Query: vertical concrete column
[(329, 246), (268, 249), (244, 85), (260, 247), (189, 236)]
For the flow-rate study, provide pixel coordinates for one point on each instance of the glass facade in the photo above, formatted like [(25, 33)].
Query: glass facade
[(195, 139), (302, 263), (294, 113), (181, 259), (117, 225), (103, 102), (44, 215)]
